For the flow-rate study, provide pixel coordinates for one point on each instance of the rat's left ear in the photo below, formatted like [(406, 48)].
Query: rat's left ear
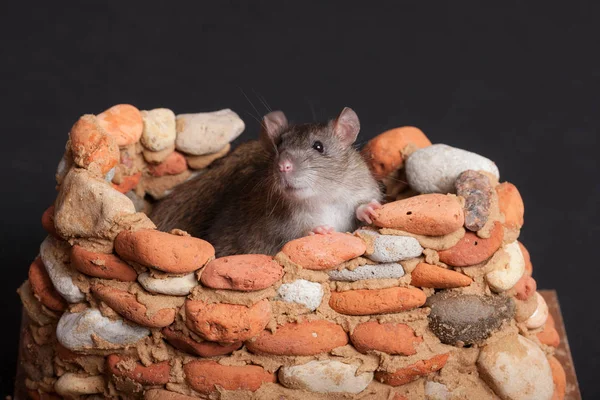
[(346, 126), (273, 124)]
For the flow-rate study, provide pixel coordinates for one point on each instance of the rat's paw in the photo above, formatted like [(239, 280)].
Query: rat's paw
[(322, 230), (366, 212)]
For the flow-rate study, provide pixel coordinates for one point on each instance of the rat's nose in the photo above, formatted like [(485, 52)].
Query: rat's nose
[(285, 166)]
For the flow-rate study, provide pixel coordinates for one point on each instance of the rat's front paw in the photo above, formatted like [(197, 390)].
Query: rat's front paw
[(322, 230), (366, 212)]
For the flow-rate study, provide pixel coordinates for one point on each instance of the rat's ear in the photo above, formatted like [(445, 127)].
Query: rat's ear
[(273, 125), (346, 126)]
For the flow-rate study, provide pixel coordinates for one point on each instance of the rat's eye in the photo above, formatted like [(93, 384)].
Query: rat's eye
[(318, 146)]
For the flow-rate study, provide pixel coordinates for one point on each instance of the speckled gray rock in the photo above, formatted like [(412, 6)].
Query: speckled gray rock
[(434, 169), (75, 330), (517, 369), (159, 129), (467, 319), (206, 133), (391, 248), (301, 291), (327, 376), (378, 271), (55, 257), (477, 191)]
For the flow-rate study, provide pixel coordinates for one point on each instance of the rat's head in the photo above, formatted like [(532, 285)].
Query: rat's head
[(309, 159)]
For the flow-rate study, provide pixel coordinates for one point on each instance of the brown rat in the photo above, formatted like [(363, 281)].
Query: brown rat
[(296, 180)]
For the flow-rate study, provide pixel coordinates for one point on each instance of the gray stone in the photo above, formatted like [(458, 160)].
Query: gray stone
[(378, 271)]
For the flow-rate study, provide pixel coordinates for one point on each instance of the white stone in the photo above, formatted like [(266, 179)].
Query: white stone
[(391, 248), (159, 129), (540, 315), (72, 385), (110, 174), (75, 330), (378, 271), (504, 277), (434, 169), (172, 286), (303, 292), (327, 376), (436, 391), (55, 257), (206, 133), (516, 369)]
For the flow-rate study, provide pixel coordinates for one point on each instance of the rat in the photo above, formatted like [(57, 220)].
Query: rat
[(297, 179)]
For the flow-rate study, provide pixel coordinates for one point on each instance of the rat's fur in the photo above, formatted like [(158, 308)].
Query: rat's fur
[(242, 204)]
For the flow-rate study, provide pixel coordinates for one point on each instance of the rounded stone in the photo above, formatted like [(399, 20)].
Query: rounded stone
[(171, 286), (301, 291), (377, 301), (379, 271), (427, 214), (517, 369), (467, 319), (151, 375), (42, 287), (100, 265), (432, 276), (511, 205), (540, 315), (244, 272), (202, 349), (55, 256), (390, 248), (326, 376), (123, 122), (72, 385), (159, 129), (205, 133), (412, 372), (505, 277), (320, 252), (75, 330), (559, 377), (205, 376), (435, 168), (48, 222), (391, 338), (91, 147), (174, 164), (471, 249), (128, 183), (203, 161)]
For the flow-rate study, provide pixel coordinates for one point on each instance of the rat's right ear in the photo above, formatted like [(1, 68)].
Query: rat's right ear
[(273, 125)]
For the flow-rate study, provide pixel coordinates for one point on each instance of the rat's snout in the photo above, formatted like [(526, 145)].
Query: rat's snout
[(285, 165)]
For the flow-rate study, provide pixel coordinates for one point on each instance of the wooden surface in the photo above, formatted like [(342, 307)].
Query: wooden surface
[(563, 352)]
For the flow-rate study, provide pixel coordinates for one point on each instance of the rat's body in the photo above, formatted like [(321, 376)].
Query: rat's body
[(297, 179)]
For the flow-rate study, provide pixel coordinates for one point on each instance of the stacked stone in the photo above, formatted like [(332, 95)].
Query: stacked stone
[(435, 300)]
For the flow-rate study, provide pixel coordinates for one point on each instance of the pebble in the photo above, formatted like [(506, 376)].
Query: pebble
[(391, 248), (205, 376), (172, 285), (436, 391), (91, 147), (413, 371), (301, 291), (527, 257), (202, 349), (127, 306), (299, 339), (427, 214), (558, 377), (320, 252), (156, 157), (461, 318), (123, 122), (505, 277), (477, 190), (55, 256), (227, 323), (517, 369), (72, 385), (75, 330), (110, 175), (525, 287), (86, 207), (100, 265), (128, 183), (471, 249), (540, 315), (244, 272), (432, 276), (326, 376), (511, 205), (376, 301), (33, 307), (48, 222), (161, 186), (152, 375), (159, 129), (174, 164), (391, 338), (205, 133), (164, 251), (203, 161), (434, 169), (549, 335), (42, 287), (379, 271), (383, 153)]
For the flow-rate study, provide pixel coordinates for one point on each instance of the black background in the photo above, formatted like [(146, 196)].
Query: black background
[(514, 81)]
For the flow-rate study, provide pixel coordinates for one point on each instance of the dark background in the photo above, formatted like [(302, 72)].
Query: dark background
[(516, 82)]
